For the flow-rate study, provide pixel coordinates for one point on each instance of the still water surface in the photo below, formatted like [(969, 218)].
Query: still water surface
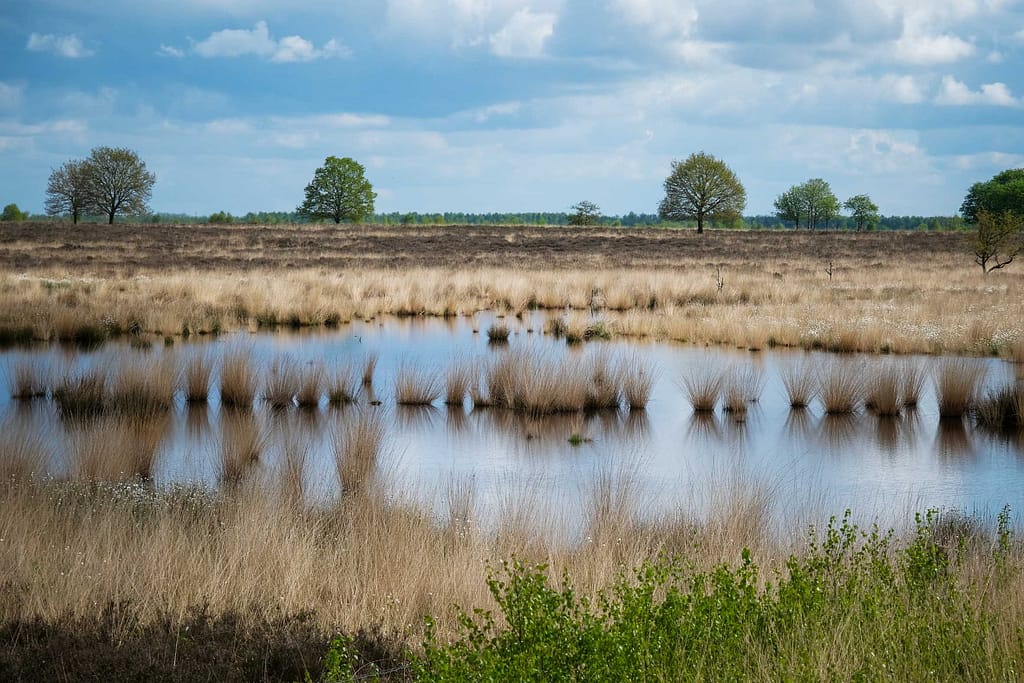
[(809, 463)]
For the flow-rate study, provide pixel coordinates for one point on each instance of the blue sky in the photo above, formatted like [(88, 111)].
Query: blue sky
[(507, 105)]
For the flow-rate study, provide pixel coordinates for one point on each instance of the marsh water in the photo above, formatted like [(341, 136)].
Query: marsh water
[(664, 457)]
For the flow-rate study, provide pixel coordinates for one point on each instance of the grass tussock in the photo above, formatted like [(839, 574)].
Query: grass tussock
[(282, 383), (800, 381), (912, 383), (957, 382), (28, 380), (310, 383), (1002, 409), (342, 385), (416, 387), (242, 443), (637, 382), (143, 386), (883, 393), (81, 393), (23, 453), (459, 377), (358, 445), (842, 387), (369, 367), (498, 333), (116, 447), (703, 387), (197, 372), (238, 380)]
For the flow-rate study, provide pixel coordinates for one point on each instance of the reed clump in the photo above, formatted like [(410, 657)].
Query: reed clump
[(1001, 409), (198, 370), (458, 379), (28, 381), (498, 333), (416, 387), (637, 382), (883, 394), (142, 386), (369, 367), (358, 445), (310, 381), (801, 383), (842, 387), (703, 387), (957, 382), (82, 393), (912, 383), (282, 382), (243, 440), (342, 385), (238, 380)]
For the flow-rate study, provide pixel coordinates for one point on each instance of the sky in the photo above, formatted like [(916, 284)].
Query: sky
[(508, 105)]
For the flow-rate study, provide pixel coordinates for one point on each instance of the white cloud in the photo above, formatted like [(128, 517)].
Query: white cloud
[(10, 95), (524, 35), (63, 46), (665, 18), (170, 51), (926, 50), (957, 93), (258, 42), (1019, 36), (901, 89)]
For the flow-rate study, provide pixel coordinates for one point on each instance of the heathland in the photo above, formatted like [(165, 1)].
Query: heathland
[(898, 292), (105, 575)]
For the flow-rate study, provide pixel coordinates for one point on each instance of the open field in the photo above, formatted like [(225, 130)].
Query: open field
[(887, 292)]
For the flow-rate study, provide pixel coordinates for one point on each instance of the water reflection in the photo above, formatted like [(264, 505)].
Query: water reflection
[(952, 441)]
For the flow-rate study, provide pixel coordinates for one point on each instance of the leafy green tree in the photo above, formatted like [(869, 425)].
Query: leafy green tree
[(67, 190), (117, 181), (585, 213), (810, 202), (700, 188), (997, 239), (863, 210), (221, 217), (13, 213), (339, 191), (1004, 192)]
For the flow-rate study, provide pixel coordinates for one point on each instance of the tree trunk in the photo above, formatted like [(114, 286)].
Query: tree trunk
[(110, 221), (337, 220), (700, 224)]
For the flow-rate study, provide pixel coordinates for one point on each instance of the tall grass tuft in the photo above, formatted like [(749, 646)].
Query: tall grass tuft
[(142, 386), (23, 453), (282, 382), (1002, 409), (458, 379), (310, 381), (498, 333), (237, 380), (197, 372), (296, 447), (117, 447), (28, 381), (369, 367), (415, 387), (637, 382), (912, 384), (82, 393), (957, 381), (604, 390), (358, 444), (842, 387), (801, 383), (883, 394), (342, 385), (703, 387), (242, 443)]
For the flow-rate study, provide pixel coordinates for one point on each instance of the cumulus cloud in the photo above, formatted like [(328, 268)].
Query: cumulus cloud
[(70, 46), (524, 35), (957, 93), (666, 18), (170, 51), (258, 42), (926, 50)]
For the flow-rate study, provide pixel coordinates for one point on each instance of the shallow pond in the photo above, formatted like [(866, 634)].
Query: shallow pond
[(664, 457)]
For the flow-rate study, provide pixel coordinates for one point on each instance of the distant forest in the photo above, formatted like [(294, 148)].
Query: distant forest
[(630, 219)]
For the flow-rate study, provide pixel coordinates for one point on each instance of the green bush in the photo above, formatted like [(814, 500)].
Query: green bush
[(855, 606)]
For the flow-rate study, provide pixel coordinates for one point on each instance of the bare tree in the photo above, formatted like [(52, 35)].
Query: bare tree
[(66, 190), (117, 182), (997, 239)]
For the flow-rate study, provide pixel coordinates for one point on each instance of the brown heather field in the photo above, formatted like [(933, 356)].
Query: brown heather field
[(887, 292)]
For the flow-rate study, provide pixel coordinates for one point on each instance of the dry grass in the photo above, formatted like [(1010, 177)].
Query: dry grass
[(342, 385), (369, 367), (197, 372), (242, 443), (957, 382), (842, 387), (645, 283), (800, 380), (459, 377), (912, 383), (1002, 409), (116, 447), (82, 392), (358, 444), (282, 382), (415, 386), (310, 381), (238, 380), (703, 387), (23, 453), (142, 385), (498, 333), (28, 380), (637, 382), (884, 387)]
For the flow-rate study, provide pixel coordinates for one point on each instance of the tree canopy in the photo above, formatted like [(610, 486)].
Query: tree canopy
[(1004, 192), (809, 202), (997, 239), (11, 212), (584, 213), (339, 191), (863, 211), (700, 188), (66, 191), (116, 181)]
